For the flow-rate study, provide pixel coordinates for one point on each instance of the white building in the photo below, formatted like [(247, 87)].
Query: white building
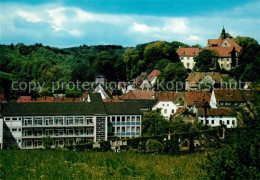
[(218, 117), (26, 124), (166, 107), (187, 56), (1, 132)]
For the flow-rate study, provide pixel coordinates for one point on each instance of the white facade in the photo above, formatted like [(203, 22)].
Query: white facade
[(213, 101), (1, 133), (229, 121), (188, 62), (167, 108)]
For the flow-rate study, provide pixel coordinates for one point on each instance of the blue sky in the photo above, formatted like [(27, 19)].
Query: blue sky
[(65, 23)]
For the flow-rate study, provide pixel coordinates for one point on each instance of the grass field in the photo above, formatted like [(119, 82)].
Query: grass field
[(40, 164)]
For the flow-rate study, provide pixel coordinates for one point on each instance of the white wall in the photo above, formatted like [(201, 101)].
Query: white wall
[(218, 119), (1, 133), (167, 108), (188, 59)]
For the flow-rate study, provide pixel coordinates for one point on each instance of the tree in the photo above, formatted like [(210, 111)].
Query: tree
[(205, 61), (239, 159), (154, 123), (158, 51), (161, 65), (178, 125), (47, 142), (131, 57), (172, 76)]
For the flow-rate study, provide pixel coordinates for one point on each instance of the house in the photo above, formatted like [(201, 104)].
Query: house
[(68, 123), (228, 51), (153, 76), (230, 98), (187, 56), (23, 99), (218, 117), (190, 98), (145, 85), (138, 95), (204, 80), (166, 107), (184, 114)]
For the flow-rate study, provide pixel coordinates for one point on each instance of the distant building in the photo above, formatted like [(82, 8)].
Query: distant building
[(187, 56), (217, 117), (138, 95), (199, 80), (68, 123), (153, 76), (227, 50), (166, 107), (184, 114), (230, 98)]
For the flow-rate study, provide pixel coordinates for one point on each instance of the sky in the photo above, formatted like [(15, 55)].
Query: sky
[(67, 23)]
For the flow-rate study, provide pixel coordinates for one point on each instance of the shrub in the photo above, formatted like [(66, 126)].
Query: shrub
[(47, 142), (172, 146), (154, 145)]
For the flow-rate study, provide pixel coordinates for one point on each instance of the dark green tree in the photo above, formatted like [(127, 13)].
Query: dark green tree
[(205, 61)]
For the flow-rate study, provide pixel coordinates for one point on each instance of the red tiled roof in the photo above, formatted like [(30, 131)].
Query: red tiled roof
[(192, 97), (233, 95), (195, 77), (153, 74), (218, 42), (139, 95), (170, 95), (24, 99), (188, 51), (85, 95), (180, 110), (222, 51), (216, 112), (2, 97)]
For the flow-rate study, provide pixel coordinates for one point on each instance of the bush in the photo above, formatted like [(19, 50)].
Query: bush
[(154, 145), (83, 147), (47, 142), (172, 146), (105, 146)]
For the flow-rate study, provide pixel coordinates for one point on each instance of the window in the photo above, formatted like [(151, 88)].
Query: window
[(165, 110), (113, 129), (38, 121), (118, 129), (220, 122), (222, 65), (162, 104), (49, 121), (7, 119), (14, 130), (69, 120), (27, 121), (59, 132), (138, 118), (69, 131), (79, 131), (182, 58), (227, 60), (188, 65), (188, 58), (91, 131), (123, 129), (38, 132), (90, 120), (207, 121), (123, 118), (227, 121), (128, 118), (133, 118), (14, 119), (118, 118), (132, 129), (227, 65), (233, 122), (201, 121), (167, 105), (49, 132), (113, 118), (59, 120), (138, 128), (212, 121), (128, 129), (172, 110), (27, 132), (79, 120)]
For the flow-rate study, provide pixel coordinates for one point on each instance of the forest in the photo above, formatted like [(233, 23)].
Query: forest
[(39, 63)]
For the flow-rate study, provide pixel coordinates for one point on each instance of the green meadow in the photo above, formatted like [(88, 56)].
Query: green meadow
[(54, 164)]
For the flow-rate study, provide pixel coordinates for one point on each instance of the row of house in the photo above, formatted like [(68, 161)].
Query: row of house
[(68, 123), (226, 49)]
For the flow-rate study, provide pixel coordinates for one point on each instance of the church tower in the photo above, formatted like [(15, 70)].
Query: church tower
[(223, 34)]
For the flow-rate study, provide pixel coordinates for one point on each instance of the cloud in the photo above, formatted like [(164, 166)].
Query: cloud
[(60, 24), (28, 16)]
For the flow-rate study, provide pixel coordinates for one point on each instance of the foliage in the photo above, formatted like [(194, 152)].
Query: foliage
[(161, 65), (153, 123), (239, 159), (172, 146), (178, 125), (205, 61), (47, 142), (154, 145), (172, 77), (42, 164)]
